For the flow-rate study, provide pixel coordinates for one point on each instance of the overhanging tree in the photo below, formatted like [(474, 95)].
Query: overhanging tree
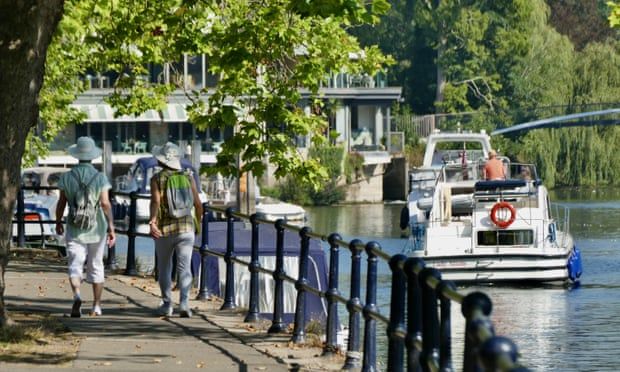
[(262, 51)]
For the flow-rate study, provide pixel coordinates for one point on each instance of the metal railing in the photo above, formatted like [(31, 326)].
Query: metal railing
[(419, 322)]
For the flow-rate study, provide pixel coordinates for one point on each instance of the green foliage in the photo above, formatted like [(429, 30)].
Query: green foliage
[(353, 167), (330, 157), (262, 52), (614, 16)]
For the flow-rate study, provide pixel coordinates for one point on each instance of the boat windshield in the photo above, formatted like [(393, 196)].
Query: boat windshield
[(456, 152)]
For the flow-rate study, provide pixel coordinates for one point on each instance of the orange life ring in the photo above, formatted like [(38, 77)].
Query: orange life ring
[(501, 223)]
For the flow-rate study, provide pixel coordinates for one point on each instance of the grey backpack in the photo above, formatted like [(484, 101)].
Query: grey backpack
[(83, 215)]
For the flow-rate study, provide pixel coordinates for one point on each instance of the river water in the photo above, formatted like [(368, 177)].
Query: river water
[(556, 329)]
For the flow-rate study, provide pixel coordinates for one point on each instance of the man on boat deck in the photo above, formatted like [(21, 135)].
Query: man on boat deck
[(494, 168)]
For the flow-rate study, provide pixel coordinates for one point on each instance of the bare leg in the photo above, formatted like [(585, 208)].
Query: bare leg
[(77, 301), (75, 285), (97, 290)]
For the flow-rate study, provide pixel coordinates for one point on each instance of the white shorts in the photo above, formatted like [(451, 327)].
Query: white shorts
[(91, 254)]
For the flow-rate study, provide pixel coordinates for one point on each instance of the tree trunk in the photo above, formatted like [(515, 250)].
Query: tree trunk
[(26, 28)]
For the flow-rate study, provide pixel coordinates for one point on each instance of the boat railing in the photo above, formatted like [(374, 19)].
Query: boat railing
[(419, 320), (560, 222)]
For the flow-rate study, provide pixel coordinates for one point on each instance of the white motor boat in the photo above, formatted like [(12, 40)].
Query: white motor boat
[(40, 205), (479, 231), (273, 209), (138, 179)]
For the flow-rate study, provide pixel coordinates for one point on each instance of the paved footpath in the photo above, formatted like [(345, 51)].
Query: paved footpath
[(131, 337)]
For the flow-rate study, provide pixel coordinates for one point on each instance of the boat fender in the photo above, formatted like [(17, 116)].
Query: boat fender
[(552, 232), (495, 211), (404, 218), (574, 265)]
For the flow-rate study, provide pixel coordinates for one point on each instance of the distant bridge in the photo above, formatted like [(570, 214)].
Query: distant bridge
[(603, 114), (572, 120)]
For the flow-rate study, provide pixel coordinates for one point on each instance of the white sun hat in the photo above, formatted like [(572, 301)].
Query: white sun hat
[(169, 155)]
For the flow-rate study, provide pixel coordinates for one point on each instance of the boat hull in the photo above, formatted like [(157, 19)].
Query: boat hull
[(501, 268)]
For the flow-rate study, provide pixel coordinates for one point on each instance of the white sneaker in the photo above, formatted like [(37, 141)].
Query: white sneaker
[(165, 309), (185, 312), (96, 311)]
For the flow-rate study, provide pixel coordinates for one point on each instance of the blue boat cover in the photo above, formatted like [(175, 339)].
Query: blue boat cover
[(317, 268)]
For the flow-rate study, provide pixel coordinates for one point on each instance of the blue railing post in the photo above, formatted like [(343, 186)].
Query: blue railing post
[(476, 308), (331, 337), (413, 341), (203, 293), (277, 324), (130, 268), (370, 324), (110, 261), (396, 329), (299, 333), (21, 226), (429, 359), (445, 331), (254, 268), (229, 291), (353, 360)]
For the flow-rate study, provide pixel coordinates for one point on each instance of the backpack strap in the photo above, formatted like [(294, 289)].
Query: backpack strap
[(83, 185)]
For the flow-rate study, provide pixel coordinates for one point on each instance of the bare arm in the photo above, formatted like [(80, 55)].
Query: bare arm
[(197, 202), (60, 210), (104, 200), (154, 208)]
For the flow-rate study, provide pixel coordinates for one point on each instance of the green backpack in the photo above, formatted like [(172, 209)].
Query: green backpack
[(179, 195)]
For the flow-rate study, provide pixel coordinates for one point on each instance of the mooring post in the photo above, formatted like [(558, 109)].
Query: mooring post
[(203, 292), (229, 291), (331, 337), (130, 267), (413, 342), (299, 333), (396, 329), (430, 319), (254, 268), (277, 323), (445, 329), (476, 308), (370, 324), (353, 360), (21, 226)]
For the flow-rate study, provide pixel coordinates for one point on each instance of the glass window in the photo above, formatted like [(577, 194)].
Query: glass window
[(188, 132), (194, 72), (81, 130), (505, 237), (113, 134), (173, 132)]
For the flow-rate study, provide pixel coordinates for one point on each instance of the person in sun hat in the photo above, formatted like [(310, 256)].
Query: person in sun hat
[(85, 243), (172, 233)]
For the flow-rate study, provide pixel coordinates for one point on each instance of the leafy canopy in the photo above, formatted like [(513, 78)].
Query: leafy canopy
[(264, 52)]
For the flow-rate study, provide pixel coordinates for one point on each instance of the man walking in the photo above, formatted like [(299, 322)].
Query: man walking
[(90, 223)]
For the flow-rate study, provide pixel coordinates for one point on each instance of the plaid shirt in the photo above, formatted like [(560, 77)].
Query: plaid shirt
[(170, 225)]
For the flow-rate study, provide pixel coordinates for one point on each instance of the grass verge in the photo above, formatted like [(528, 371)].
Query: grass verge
[(37, 338)]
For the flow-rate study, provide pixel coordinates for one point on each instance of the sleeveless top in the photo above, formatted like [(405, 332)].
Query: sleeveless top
[(167, 224)]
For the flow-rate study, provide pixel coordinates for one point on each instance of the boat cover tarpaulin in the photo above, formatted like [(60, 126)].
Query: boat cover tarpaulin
[(216, 268)]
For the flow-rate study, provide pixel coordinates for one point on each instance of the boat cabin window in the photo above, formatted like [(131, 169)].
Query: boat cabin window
[(505, 237), (451, 152)]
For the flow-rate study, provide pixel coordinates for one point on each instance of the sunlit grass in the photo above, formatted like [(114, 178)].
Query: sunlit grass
[(36, 338)]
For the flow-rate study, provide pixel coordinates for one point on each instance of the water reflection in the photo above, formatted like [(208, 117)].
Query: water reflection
[(555, 329)]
